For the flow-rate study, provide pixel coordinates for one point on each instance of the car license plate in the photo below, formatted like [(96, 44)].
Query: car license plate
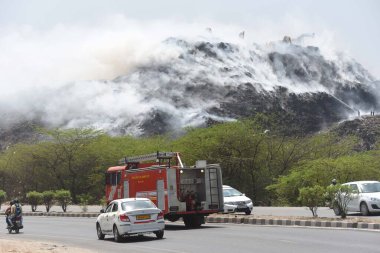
[(143, 217)]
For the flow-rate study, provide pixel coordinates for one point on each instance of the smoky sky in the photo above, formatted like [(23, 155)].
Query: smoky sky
[(352, 24)]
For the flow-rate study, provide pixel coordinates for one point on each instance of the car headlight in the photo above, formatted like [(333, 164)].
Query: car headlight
[(248, 201), (228, 203), (374, 199)]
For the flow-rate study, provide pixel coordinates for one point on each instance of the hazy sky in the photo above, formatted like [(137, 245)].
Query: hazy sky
[(353, 25)]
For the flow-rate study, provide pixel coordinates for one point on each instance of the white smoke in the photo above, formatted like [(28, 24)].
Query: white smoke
[(63, 77)]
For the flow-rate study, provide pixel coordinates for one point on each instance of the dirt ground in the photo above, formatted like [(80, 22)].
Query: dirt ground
[(22, 246)]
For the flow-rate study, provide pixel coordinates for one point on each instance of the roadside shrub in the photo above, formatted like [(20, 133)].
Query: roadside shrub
[(84, 200), (34, 199), (312, 197), (3, 196), (64, 198), (341, 196), (48, 197)]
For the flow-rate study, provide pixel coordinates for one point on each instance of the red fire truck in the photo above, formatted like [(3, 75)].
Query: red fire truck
[(187, 192)]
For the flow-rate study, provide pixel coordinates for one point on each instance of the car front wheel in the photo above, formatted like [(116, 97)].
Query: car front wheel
[(99, 232), (248, 211), (364, 209)]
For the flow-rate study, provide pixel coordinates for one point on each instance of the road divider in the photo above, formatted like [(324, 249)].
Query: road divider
[(291, 222)]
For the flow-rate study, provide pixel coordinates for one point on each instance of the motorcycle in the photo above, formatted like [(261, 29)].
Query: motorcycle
[(17, 225)]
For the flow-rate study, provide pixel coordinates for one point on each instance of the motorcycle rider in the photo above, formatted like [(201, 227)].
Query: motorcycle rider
[(16, 211), (8, 214)]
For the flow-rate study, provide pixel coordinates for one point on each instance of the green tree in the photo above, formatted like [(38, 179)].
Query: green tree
[(76, 160), (64, 198), (34, 199), (312, 197), (322, 171), (48, 197), (3, 196)]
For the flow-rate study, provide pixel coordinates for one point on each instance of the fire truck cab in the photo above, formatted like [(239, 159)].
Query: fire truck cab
[(187, 192)]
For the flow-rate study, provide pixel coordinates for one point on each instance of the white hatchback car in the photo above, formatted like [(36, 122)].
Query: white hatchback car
[(235, 201), (365, 198), (130, 216)]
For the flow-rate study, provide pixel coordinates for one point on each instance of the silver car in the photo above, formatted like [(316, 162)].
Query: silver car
[(130, 216)]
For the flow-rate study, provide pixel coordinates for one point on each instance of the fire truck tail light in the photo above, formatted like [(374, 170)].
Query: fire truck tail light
[(160, 216), (124, 218)]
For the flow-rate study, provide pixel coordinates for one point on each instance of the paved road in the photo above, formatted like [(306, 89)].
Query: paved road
[(257, 211), (221, 238)]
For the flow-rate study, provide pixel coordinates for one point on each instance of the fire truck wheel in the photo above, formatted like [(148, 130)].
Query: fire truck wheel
[(99, 232), (173, 218), (116, 235), (193, 221), (159, 234)]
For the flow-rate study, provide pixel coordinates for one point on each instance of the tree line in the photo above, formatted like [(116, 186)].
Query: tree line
[(255, 155)]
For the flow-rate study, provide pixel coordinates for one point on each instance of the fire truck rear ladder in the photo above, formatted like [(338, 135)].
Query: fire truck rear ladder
[(214, 186)]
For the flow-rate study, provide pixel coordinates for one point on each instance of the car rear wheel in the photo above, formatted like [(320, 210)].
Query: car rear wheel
[(159, 234), (116, 235), (364, 209), (99, 232)]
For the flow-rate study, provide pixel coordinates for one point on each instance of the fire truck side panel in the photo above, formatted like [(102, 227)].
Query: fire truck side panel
[(114, 185), (148, 184)]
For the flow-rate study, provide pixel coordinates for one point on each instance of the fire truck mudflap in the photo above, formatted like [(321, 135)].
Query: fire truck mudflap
[(187, 192)]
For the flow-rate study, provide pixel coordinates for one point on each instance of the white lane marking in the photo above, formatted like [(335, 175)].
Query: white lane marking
[(288, 241)]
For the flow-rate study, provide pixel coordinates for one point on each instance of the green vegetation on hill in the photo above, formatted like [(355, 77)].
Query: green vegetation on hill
[(256, 156)]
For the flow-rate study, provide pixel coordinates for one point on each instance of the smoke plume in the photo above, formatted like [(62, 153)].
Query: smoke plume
[(121, 75)]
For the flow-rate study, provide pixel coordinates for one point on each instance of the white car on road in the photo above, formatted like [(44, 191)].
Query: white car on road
[(365, 197), (130, 216), (235, 201)]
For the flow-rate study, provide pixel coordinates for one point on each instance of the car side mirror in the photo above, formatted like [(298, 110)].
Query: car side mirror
[(101, 210)]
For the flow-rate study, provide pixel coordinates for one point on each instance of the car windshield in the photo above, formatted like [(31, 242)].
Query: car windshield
[(231, 192), (371, 187), (138, 204)]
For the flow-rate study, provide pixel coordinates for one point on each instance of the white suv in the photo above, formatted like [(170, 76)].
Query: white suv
[(235, 201), (365, 197)]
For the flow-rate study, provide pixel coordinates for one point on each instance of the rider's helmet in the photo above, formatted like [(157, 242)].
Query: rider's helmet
[(16, 201)]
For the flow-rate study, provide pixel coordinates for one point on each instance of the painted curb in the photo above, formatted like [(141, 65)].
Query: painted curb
[(287, 222), (54, 214)]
